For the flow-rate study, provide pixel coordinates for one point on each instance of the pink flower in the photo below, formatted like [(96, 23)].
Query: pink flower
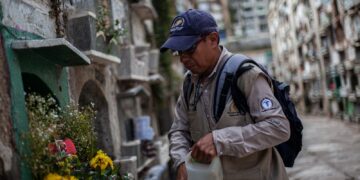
[(69, 146)]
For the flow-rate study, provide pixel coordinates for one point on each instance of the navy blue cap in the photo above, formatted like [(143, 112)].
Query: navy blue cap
[(187, 28)]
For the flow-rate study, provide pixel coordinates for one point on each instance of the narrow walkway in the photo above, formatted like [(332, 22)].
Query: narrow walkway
[(331, 150)]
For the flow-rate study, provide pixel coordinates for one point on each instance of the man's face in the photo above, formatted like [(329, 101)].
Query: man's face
[(199, 58)]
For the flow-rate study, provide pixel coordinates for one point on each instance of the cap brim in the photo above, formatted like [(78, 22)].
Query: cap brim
[(179, 43)]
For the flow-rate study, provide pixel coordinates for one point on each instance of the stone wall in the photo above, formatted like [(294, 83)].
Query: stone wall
[(29, 15), (103, 77), (7, 154)]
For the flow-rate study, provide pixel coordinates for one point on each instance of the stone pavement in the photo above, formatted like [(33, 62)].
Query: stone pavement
[(331, 150)]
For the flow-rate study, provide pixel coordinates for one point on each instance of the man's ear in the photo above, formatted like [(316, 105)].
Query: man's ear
[(214, 37)]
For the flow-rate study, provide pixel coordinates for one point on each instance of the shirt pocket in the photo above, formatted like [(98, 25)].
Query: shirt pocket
[(232, 117)]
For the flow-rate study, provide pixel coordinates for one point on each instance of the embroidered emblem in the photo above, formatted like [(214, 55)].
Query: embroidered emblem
[(178, 24), (266, 104)]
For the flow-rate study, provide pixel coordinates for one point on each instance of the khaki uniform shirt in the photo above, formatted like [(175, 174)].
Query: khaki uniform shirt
[(245, 145)]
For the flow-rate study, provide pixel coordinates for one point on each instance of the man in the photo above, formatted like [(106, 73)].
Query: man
[(244, 142)]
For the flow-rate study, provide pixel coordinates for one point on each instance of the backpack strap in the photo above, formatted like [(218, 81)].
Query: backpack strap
[(223, 95), (224, 83), (238, 97), (247, 61), (227, 76)]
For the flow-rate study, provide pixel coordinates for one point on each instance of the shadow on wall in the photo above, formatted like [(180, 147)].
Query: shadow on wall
[(33, 84), (91, 93)]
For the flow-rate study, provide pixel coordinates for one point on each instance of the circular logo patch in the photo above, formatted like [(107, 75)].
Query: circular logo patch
[(266, 104), (178, 22)]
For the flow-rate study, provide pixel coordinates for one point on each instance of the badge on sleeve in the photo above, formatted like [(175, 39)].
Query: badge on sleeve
[(266, 104)]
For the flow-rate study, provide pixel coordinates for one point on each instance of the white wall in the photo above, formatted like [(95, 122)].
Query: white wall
[(29, 15)]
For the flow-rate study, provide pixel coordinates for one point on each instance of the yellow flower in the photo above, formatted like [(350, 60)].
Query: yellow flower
[(52, 176), (55, 176), (101, 160), (71, 178)]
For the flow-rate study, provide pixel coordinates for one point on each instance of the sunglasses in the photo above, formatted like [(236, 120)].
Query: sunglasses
[(189, 51)]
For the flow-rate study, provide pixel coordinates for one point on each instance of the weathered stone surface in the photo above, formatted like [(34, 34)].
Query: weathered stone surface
[(81, 31), (6, 149), (85, 5), (331, 150), (144, 9), (66, 53), (102, 58), (100, 89), (29, 15), (134, 63), (128, 166)]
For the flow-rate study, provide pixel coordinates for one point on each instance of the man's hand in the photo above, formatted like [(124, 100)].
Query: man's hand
[(181, 173), (204, 150)]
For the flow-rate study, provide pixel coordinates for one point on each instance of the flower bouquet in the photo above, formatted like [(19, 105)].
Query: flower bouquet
[(69, 167), (62, 142)]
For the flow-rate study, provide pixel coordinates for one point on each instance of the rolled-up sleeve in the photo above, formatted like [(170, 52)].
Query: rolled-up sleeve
[(271, 126), (179, 135)]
